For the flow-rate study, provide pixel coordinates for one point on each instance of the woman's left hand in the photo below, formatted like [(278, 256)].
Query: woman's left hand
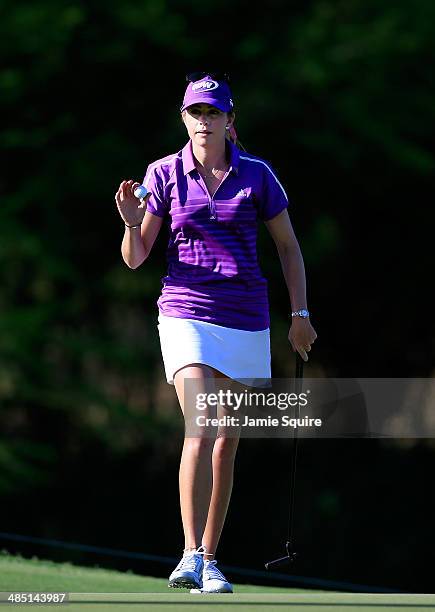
[(301, 336)]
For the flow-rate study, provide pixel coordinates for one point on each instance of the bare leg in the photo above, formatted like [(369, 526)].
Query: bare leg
[(224, 453), (195, 476)]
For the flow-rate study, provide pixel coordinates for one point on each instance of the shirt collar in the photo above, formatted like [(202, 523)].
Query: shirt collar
[(189, 162)]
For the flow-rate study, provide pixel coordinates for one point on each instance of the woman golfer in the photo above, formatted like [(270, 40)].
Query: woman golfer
[(213, 310)]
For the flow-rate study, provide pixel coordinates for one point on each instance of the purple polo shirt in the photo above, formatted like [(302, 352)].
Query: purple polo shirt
[(213, 273)]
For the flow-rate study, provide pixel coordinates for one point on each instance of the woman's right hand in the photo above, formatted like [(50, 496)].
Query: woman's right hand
[(131, 209)]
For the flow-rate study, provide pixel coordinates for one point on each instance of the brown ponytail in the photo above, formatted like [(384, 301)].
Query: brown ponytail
[(232, 136)]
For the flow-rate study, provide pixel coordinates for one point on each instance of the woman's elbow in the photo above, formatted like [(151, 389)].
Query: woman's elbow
[(287, 246), (140, 261)]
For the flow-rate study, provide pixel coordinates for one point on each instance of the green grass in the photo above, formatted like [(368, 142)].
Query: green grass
[(96, 589), (17, 573)]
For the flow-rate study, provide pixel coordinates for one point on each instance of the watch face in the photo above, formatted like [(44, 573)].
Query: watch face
[(304, 313)]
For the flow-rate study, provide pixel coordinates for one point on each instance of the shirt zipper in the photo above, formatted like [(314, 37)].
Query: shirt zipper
[(211, 202)]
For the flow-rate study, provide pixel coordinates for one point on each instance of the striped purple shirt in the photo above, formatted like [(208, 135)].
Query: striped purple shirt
[(213, 273)]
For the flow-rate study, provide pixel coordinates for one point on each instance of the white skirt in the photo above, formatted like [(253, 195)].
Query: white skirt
[(242, 355)]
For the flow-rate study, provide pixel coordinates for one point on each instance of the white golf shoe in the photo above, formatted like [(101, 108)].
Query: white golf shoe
[(188, 573), (213, 581)]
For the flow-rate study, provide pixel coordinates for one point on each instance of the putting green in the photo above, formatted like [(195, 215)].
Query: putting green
[(124, 591), (252, 602)]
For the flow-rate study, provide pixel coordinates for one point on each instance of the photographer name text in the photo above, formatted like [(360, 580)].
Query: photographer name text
[(246, 421)]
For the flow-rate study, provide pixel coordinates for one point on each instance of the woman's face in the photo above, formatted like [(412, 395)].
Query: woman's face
[(206, 124)]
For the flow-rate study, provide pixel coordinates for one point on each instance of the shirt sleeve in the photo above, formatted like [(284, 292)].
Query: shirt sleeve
[(153, 181), (274, 198)]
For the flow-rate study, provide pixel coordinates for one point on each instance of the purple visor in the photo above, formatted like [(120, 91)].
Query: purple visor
[(209, 91)]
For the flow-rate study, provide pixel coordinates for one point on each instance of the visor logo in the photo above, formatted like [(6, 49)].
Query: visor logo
[(204, 86)]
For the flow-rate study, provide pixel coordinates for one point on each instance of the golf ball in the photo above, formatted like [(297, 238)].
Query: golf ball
[(140, 192)]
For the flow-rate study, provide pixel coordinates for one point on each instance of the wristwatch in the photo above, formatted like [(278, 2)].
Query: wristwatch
[(303, 312)]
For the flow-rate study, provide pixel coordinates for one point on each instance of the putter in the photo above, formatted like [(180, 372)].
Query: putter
[(291, 554)]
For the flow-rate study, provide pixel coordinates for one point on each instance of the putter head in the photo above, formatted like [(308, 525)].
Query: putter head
[(289, 558)]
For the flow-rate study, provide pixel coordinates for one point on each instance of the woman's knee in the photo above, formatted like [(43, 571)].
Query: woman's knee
[(225, 448)]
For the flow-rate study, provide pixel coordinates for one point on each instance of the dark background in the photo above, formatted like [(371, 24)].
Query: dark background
[(339, 97)]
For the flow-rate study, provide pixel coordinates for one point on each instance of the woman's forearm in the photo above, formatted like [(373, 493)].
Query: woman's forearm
[(132, 248), (292, 264)]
